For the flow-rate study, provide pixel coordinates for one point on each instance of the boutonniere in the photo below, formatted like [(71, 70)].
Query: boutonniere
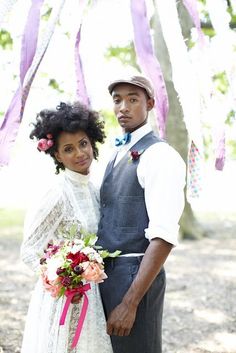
[(134, 155)]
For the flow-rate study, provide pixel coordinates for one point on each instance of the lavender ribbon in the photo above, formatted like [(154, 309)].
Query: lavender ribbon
[(81, 90), (30, 38), (31, 57), (12, 119), (220, 152), (148, 61), (191, 6)]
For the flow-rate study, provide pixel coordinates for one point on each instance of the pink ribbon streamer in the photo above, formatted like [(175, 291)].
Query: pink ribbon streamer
[(220, 152), (13, 117), (148, 61), (81, 90), (10, 123), (191, 6), (70, 293)]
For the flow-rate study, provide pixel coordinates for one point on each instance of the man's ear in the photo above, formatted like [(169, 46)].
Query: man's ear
[(150, 103)]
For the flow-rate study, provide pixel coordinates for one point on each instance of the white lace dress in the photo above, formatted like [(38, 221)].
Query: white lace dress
[(72, 198)]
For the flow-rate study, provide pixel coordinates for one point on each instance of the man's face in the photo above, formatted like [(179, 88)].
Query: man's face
[(131, 106)]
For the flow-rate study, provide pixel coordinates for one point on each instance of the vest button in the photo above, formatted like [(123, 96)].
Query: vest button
[(104, 205)]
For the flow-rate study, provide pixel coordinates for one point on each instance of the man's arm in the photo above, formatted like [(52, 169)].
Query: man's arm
[(122, 318)]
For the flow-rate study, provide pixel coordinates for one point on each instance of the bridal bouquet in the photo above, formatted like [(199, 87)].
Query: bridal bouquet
[(71, 263), (68, 267)]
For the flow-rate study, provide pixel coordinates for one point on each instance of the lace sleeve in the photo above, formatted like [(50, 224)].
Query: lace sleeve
[(40, 226)]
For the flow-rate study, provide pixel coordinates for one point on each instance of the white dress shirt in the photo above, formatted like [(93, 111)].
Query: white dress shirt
[(161, 173)]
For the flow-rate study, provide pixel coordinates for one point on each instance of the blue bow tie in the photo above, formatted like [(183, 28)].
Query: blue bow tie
[(123, 140)]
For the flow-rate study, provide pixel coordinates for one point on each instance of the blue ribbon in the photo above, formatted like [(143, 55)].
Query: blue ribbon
[(123, 140)]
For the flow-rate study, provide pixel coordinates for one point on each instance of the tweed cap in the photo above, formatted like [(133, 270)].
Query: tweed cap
[(139, 81)]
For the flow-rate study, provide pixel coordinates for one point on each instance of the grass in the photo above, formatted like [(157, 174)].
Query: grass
[(11, 217), (11, 222)]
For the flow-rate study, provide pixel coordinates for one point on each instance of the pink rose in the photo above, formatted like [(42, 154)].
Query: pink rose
[(44, 144), (93, 272), (50, 143), (53, 287)]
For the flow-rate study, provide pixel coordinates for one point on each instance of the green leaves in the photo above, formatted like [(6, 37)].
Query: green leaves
[(105, 253), (88, 238), (6, 40)]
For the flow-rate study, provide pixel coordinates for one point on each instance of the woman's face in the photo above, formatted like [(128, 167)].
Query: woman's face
[(75, 151)]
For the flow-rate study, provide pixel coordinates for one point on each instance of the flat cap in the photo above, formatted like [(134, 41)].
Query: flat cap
[(139, 81)]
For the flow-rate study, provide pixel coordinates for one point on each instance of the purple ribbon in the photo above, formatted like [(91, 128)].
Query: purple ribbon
[(29, 66), (10, 123), (191, 6), (220, 152), (81, 90), (148, 61)]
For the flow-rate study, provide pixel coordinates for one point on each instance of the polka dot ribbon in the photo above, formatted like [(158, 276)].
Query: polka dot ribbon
[(194, 184)]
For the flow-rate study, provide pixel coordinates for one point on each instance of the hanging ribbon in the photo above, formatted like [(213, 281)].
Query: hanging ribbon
[(81, 90), (70, 294), (191, 6), (220, 21), (28, 48), (31, 57), (194, 178), (81, 86), (220, 152), (148, 61), (186, 86)]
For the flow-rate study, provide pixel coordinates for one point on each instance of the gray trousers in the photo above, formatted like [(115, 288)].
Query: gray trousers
[(146, 334)]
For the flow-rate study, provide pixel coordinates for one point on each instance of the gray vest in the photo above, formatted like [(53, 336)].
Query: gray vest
[(123, 210)]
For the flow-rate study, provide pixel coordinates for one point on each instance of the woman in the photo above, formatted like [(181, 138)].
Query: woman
[(69, 135)]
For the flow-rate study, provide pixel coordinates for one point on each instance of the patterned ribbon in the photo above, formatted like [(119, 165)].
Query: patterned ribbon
[(30, 62), (70, 294), (148, 61), (194, 184), (123, 140), (185, 82)]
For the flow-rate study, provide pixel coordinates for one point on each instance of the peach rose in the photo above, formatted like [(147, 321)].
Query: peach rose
[(93, 272), (53, 287)]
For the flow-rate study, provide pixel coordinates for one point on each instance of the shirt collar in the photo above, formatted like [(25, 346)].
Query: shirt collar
[(136, 136)]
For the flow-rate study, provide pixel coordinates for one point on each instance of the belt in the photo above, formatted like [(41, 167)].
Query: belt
[(132, 254), (123, 260)]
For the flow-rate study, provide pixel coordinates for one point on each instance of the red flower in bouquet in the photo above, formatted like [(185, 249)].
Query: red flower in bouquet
[(77, 258), (68, 266)]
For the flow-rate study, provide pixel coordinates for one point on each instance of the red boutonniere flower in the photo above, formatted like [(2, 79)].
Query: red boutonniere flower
[(134, 155)]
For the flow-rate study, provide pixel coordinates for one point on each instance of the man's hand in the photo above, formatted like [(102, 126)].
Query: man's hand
[(121, 320)]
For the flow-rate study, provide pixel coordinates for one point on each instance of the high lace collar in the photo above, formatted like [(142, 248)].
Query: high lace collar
[(77, 177)]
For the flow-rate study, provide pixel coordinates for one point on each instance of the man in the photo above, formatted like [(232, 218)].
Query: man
[(142, 200)]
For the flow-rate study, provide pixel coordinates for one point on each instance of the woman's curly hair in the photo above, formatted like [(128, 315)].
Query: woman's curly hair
[(70, 118)]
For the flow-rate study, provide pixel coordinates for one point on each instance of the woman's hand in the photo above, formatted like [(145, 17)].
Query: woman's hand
[(76, 299)]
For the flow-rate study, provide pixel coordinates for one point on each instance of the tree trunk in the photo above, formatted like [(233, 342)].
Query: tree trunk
[(176, 133)]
